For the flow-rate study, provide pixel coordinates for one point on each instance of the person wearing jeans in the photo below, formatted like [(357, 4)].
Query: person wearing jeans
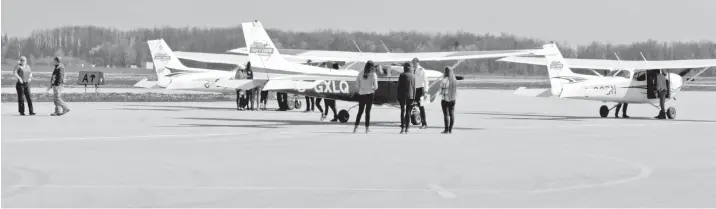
[(23, 73), (367, 82), (448, 90), (406, 96)]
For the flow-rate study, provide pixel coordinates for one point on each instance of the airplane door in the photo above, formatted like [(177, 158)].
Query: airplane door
[(651, 84)]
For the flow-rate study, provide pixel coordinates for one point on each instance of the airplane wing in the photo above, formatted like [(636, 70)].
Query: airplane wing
[(602, 64), (347, 56), (214, 58)]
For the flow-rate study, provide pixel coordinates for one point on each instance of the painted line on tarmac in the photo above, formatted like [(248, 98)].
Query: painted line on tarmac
[(249, 188), (444, 193), (120, 137), (159, 136), (644, 172)]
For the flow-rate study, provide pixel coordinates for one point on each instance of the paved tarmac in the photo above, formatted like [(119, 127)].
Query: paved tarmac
[(506, 151)]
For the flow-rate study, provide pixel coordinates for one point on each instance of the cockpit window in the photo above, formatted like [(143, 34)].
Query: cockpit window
[(612, 73), (640, 76)]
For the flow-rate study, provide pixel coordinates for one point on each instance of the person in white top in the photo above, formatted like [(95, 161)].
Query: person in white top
[(448, 90), (367, 83), (23, 73), (421, 82)]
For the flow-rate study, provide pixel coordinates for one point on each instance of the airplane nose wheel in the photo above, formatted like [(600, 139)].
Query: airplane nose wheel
[(604, 111), (671, 113), (415, 116), (343, 116)]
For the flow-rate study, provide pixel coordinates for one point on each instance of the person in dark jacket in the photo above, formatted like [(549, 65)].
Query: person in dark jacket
[(619, 106), (23, 73), (250, 92), (661, 90), (56, 83), (331, 103), (406, 96)]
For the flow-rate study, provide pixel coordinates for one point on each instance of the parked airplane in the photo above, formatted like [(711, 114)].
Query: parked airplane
[(630, 82), (172, 74), (268, 65)]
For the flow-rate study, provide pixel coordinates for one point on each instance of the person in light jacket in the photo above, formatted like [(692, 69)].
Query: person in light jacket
[(448, 90), (367, 83), (421, 82)]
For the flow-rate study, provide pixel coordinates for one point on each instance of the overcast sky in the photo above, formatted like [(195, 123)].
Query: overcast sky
[(574, 21)]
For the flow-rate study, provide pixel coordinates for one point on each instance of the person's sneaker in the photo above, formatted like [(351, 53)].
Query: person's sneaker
[(367, 130), (334, 120), (626, 116), (22, 113), (323, 117), (355, 129), (423, 126), (65, 111), (402, 130), (55, 114), (32, 113), (445, 132)]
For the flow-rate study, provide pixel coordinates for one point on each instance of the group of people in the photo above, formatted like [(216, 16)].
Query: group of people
[(247, 99), (411, 89), (23, 74), (312, 102)]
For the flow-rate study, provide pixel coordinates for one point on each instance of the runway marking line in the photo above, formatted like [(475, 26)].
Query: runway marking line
[(644, 172)]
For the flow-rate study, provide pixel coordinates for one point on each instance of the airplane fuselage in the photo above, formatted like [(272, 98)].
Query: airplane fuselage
[(631, 89)]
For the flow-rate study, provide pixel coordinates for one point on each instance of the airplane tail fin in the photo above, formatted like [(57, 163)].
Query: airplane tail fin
[(263, 54), (558, 69), (162, 56)]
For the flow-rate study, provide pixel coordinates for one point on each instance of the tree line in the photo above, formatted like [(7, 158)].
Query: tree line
[(107, 46)]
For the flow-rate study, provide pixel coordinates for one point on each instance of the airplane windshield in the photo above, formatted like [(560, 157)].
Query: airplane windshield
[(612, 73), (623, 74)]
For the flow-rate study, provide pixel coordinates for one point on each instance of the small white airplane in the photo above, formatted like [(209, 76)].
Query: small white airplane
[(630, 82), (269, 66), (172, 74)]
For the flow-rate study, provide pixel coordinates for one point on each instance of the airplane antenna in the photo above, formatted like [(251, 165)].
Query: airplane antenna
[(354, 42), (386, 48), (642, 56), (615, 54)]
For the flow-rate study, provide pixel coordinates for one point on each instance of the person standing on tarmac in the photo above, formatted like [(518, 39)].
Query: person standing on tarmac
[(367, 83), (331, 103), (661, 90), (310, 105), (56, 83), (406, 95), (421, 82), (624, 114), (23, 73), (250, 92), (239, 96), (448, 88)]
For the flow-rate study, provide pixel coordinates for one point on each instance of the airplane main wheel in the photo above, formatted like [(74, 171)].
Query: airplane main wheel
[(343, 116), (604, 111), (291, 105), (415, 117), (671, 113)]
